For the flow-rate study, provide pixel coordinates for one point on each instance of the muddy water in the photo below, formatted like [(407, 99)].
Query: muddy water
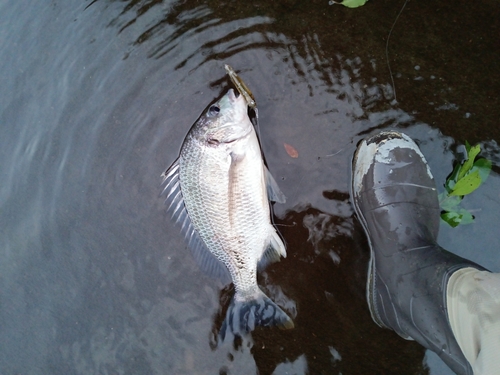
[(96, 99)]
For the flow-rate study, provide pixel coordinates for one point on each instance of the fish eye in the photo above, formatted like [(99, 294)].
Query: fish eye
[(213, 110)]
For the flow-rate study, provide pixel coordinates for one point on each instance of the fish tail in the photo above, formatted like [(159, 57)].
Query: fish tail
[(244, 314)]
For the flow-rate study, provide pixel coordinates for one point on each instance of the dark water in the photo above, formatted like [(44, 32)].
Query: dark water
[(96, 98)]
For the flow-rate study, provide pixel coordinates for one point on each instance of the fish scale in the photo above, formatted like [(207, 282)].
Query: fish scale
[(228, 236)]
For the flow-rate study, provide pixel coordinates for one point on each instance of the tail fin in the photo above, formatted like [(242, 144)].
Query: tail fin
[(244, 315)]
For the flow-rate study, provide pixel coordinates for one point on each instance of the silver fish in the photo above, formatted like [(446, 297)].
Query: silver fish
[(219, 191)]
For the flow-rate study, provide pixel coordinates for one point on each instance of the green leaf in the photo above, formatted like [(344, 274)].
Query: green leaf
[(442, 197), (484, 167), (465, 178), (467, 165), (452, 178), (454, 218), (448, 203), (467, 147), (466, 217), (350, 3), (467, 184)]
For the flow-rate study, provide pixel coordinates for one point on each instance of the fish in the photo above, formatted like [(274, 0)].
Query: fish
[(219, 190)]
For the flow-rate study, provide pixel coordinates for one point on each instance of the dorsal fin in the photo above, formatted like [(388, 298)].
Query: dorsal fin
[(176, 208)]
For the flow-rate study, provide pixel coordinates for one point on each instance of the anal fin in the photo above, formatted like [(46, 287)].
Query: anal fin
[(273, 252)]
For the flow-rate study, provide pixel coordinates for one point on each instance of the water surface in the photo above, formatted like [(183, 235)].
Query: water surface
[(96, 99)]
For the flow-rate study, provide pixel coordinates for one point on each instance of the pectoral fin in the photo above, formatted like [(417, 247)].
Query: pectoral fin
[(274, 194), (174, 201)]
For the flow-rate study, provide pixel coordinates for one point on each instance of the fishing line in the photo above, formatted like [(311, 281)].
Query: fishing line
[(255, 121), (285, 225), (387, 49)]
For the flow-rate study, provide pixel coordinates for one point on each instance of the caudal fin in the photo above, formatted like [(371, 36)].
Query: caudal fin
[(244, 315)]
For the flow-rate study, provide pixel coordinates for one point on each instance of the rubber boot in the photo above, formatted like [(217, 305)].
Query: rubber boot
[(396, 201)]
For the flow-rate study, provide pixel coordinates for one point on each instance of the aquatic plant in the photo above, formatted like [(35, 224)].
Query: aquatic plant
[(466, 177), (349, 3)]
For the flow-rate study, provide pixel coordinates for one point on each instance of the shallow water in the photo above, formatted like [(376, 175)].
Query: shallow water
[(96, 100)]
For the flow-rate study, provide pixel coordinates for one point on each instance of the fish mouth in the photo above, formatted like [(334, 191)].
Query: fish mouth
[(233, 95), (236, 101)]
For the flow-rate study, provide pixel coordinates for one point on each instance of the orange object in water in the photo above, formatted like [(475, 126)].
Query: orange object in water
[(291, 151)]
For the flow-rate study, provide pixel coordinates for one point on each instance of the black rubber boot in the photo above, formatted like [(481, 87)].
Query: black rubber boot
[(396, 201)]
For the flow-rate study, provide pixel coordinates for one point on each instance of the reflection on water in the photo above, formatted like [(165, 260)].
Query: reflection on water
[(97, 98), (329, 294)]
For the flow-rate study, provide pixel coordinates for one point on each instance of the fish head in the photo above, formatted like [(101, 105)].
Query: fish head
[(226, 120)]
